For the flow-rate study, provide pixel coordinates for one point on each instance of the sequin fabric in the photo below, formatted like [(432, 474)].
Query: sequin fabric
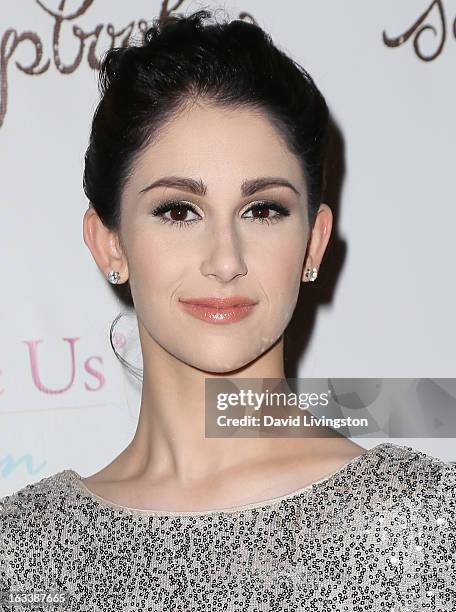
[(379, 534)]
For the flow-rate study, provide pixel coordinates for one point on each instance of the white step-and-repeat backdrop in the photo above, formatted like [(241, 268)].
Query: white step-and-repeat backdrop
[(384, 302)]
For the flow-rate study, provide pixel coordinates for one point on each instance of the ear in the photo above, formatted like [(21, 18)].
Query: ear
[(321, 231), (104, 244)]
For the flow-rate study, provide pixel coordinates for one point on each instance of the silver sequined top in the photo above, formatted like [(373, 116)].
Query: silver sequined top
[(379, 534)]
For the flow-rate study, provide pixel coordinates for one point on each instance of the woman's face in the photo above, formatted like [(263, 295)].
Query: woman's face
[(224, 241)]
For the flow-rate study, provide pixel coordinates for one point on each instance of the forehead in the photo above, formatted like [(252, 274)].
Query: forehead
[(218, 145)]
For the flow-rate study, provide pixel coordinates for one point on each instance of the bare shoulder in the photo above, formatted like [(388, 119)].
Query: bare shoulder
[(349, 450)]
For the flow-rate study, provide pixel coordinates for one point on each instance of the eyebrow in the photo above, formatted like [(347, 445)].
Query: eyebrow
[(248, 187)]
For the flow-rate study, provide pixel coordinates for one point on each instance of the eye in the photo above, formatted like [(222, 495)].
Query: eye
[(178, 210), (262, 210)]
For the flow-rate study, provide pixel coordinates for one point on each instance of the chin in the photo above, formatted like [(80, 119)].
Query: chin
[(232, 370), (222, 356), (223, 364)]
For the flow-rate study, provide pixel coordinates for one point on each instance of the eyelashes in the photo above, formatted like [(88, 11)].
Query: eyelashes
[(181, 208)]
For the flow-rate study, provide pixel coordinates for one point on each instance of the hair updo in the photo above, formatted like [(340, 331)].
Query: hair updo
[(181, 58)]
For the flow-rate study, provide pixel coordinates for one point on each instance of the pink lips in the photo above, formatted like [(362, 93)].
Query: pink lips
[(219, 310)]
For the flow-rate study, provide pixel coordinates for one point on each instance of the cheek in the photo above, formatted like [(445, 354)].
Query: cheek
[(281, 267), (281, 275), (160, 263), (155, 267)]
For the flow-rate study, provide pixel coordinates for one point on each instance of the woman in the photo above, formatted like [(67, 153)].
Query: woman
[(204, 174)]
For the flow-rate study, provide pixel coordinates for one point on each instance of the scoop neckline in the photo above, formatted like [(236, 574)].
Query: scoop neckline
[(76, 479)]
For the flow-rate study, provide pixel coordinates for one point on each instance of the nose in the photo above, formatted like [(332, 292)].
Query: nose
[(223, 258)]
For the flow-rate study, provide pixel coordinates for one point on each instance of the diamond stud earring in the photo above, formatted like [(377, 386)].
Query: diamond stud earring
[(113, 277), (311, 274)]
